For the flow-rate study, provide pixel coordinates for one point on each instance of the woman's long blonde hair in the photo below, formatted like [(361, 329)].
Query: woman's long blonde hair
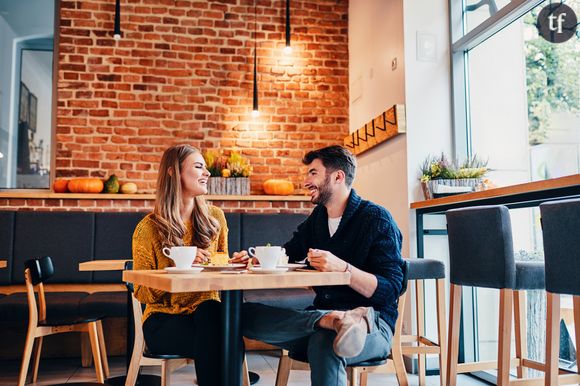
[(168, 202)]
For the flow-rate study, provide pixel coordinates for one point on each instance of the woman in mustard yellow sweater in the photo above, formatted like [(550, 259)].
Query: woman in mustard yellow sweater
[(184, 323)]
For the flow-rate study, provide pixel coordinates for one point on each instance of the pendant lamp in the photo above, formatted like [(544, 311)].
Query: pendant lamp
[(117, 29), (288, 48), (255, 110)]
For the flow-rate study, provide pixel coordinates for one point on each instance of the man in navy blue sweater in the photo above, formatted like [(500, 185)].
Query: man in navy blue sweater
[(344, 233)]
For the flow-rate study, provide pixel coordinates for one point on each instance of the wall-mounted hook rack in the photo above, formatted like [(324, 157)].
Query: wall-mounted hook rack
[(383, 127)]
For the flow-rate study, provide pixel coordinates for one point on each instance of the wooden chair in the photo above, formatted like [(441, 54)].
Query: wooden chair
[(481, 255), (358, 371), (419, 271), (142, 357), (560, 224), (40, 325)]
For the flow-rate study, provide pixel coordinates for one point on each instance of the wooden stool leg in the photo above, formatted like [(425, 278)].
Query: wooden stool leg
[(453, 345), (284, 367), (420, 308), (504, 339), (86, 352), (577, 329), (442, 331), (245, 374), (103, 349), (552, 338), (521, 331), (353, 374), (364, 378), (26, 356), (36, 358), (93, 335), (165, 373)]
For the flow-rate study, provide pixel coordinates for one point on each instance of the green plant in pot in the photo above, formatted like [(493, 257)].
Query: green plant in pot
[(441, 176)]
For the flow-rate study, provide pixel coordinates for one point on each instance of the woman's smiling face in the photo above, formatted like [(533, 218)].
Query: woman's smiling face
[(194, 175)]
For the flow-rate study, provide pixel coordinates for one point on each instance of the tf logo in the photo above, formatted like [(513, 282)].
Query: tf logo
[(557, 23)]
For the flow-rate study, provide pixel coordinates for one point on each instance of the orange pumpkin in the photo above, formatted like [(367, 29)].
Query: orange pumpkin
[(278, 187), (60, 186), (85, 185)]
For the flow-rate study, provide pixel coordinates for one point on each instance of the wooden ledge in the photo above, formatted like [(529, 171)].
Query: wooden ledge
[(527, 187), (46, 194)]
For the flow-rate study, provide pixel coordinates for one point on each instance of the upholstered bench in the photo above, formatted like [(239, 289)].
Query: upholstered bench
[(70, 238)]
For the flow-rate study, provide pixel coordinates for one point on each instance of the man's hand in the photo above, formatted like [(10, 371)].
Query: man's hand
[(325, 261)]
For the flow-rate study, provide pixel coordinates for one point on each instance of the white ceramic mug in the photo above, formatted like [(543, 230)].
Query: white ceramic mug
[(267, 256), (182, 256)]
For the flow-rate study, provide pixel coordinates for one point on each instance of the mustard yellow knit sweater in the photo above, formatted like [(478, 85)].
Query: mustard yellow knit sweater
[(148, 254)]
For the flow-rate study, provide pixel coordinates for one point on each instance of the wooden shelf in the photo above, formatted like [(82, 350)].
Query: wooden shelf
[(528, 187), (46, 194)]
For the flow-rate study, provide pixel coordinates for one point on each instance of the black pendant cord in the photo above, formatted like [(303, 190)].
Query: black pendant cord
[(255, 104), (287, 23), (117, 28)]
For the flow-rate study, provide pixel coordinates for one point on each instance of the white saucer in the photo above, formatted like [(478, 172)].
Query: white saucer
[(272, 270), (183, 270), (291, 266)]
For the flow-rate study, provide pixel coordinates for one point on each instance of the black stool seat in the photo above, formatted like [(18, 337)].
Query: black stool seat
[(148, 354), (420, 269), (301, 357), (530, 275), (63, 321)]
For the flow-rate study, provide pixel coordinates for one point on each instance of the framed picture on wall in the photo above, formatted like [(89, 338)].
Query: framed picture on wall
[(24, 108), (32, 116)]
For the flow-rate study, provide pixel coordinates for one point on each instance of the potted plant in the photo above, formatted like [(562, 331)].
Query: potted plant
[(441, 176), (229, 174)]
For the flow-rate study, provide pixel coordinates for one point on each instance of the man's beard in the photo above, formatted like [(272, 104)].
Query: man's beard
[(324, 192)]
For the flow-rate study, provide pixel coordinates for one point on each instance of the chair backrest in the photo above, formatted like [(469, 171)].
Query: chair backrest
[(481, 247), (129, 267), (40, 269), (36, 271), (561, 231)]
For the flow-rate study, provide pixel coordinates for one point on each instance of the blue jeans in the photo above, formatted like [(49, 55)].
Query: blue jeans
[(296, 331)]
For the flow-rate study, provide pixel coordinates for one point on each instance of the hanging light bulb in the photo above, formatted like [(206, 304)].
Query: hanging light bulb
[(117, 29), (288, 48)]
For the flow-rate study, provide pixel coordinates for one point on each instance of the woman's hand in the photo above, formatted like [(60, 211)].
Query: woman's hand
[(202, 256), (241, 257)]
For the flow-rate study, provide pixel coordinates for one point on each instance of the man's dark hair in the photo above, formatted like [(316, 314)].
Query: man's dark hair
[(334, 158)]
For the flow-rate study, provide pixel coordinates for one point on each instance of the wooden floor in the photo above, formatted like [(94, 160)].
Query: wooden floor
[(264, 363)]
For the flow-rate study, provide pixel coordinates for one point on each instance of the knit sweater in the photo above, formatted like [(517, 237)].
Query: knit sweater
[(367, 238), (148, 254)]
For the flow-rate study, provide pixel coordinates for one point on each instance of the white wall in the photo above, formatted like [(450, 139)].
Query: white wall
[(375, 39), (6, 38)]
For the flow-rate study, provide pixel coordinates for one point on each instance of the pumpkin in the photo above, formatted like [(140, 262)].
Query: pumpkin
[(85, 185), (60, 186), (129, 188), (278, 187)]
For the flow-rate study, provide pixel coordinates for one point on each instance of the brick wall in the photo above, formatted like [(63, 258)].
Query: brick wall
[(183, 73)]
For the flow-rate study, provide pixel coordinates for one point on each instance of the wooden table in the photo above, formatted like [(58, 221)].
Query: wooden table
[(3, 264), (103, 265), (232, 286)]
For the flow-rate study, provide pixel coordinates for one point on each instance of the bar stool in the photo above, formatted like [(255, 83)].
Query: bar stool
[(358, 371), (560, 224), (481, 255), (419, 271)]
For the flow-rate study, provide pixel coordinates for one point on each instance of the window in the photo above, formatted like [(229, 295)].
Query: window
[(517, 104), (26, 92)]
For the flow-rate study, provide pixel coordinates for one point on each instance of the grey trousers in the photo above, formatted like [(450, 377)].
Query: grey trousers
[(296, 331)]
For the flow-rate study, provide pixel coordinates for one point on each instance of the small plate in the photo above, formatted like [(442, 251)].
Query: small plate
[(291, 266), (225, 267), (272, 270), (183, 270)]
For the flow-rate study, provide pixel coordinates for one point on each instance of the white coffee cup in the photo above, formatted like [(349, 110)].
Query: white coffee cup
[(267, 256), (182, 256)]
